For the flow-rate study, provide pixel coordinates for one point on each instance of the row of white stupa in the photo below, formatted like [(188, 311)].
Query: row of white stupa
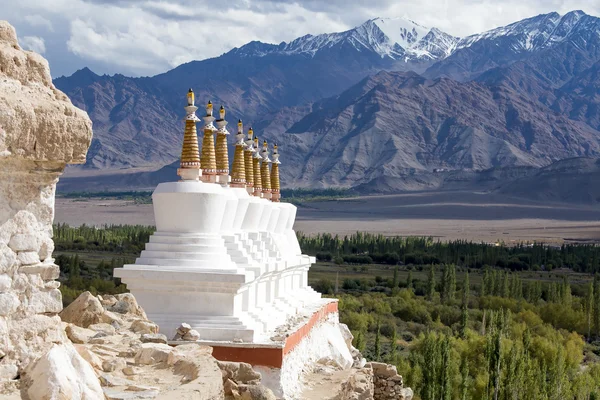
[(224, 261)]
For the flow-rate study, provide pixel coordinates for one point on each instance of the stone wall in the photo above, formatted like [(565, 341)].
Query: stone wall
[(388, 385), (40, 132)]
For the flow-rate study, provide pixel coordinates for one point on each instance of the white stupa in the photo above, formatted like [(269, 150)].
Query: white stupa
[(224, 257)]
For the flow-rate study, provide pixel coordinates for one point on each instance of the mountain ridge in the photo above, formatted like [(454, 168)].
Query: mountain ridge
[(351, 107)]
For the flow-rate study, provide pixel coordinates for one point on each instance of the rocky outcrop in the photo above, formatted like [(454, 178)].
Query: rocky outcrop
[(40, 132)]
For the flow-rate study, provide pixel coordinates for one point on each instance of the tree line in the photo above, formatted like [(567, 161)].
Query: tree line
[(366, 248)]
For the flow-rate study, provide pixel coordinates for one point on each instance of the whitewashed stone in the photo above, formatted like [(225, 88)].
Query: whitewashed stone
[(46, 248), (48, 301), (5, 282), (8, 259), (40, 131), (9, 302), (60, 374), (28, 257), (24, 242), (47, 271)]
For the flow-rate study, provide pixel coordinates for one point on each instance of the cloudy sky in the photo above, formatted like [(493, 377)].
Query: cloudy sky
[(146, 37)]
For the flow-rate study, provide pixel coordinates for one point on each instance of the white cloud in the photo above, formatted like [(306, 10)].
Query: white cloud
[(39, 21), (33, 43), (144, 37)]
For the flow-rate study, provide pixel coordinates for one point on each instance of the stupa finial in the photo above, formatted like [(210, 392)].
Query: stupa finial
[(248, 162), (190, 156), (275, 184), (222, 153), (238, 169), (256, 169), (265, 172), (208, 159)]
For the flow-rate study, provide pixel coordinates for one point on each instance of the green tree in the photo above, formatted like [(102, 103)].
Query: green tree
[(409, 281), (378, 342), (431, 284), (589, 307), (464, 318), (395, 281)]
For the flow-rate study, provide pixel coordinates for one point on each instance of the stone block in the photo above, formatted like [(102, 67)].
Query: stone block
[(9, 302), (47, 271), (5, 282), (28, 257), (8, 259), (48, 301), (8, 372), (24, 242), (103, 328)]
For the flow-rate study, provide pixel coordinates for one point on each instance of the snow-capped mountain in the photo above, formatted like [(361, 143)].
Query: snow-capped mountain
[(539, 32), (349, 111), (502, 46), (395, 38)]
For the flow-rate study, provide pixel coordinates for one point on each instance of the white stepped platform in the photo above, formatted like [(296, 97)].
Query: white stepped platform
[(224, 262)]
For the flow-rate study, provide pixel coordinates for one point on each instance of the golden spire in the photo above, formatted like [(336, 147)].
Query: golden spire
[(190, 158), (248, 156), (222, 153), (208, 160), (238, 170), (265, 173), (275, 184), (256, 170)]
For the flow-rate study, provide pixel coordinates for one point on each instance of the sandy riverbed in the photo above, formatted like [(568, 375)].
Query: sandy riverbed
[(446, 215)]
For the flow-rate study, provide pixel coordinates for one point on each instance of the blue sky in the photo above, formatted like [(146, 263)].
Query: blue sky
[(146, 37)]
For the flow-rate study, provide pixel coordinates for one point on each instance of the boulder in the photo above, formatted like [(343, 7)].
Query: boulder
[(126, 304), (60, 374), (86, 310), (255, 392), (191, 336), (153, 338), (153, 353), (78, 334), (141, 326), (239, 372), (114, 364), (104, 328), (89, 356)]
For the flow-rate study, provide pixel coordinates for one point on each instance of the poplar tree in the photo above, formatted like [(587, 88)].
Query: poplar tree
[(409, 281), (395, 280), (464, 379), (378, 342), (394, 347), (589, 307), (464, 319), (597, 304), (431, 284)]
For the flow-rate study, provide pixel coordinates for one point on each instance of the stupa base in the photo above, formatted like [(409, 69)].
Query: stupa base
[(313, 335)]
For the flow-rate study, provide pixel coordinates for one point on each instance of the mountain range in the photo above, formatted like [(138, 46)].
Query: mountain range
[(388, 101)]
